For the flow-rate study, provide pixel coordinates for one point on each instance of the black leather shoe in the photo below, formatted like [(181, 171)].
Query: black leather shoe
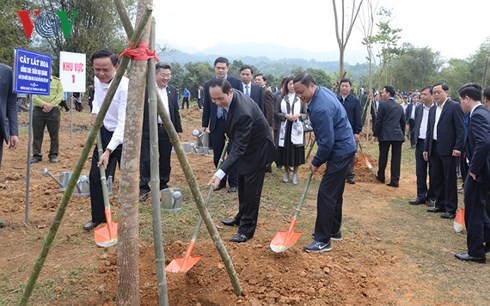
[(435, 210), (90, 225), (392, 184), (380, 179), (351, 181), (2, 224), (230, 222), (431, 202), (232, 189), (144, 196), (417, 201), (35, 159), (467, 257), (220, 187), (53, 159), (239, 238), (446, 215)]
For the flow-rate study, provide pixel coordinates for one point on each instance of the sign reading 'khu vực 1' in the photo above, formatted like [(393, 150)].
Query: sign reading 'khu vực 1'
[(72, 71), (32, 72)]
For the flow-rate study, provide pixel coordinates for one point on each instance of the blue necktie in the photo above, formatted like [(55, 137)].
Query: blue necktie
[(246, 91)]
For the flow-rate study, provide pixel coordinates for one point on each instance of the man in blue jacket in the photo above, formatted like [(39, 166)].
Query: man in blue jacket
[(336, 148)]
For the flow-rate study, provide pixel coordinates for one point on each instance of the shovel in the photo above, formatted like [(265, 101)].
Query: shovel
[(283, 240), (106, 235), (364, 157), (185, 263)]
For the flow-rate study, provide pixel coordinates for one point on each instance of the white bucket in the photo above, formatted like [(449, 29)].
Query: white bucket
[(172, 199)]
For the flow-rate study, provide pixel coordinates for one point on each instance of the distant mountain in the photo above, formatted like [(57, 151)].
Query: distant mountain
[(269, 58)]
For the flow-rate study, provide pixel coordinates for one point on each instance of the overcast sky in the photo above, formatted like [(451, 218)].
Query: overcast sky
[(454, 28)]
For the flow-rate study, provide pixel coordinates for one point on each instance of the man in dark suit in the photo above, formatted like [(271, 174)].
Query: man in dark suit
[(252, 149), (390, 130), (336, 149), (444, 143), (163, 74), (352, 107), (250, 89), (410, 118), (212, 116), (478, 179), (419, 133), (269, 100), (9, 130)]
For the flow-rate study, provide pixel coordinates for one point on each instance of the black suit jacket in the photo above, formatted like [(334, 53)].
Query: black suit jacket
[(8, 105), (251, 141), (269, 102), (478, 144), (209, 108), (173, 108), (408, 112), (256, 95), (352, 107), (450, 129), (390, 122), (417, 122)]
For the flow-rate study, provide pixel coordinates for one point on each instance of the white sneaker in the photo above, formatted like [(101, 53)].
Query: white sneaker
[(285, 178), (295, 179)]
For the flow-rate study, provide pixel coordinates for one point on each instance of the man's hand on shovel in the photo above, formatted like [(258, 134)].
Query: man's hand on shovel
[(214, 181)]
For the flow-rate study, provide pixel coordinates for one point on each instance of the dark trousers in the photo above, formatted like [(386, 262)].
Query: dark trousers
[(444, 180), (421, 167), (278, 156), (350, 170), (476, 219), (330, 198), (249, 192), (1, 149), (413, 139), (96, 196), (218, 142), (184, 101), (199, 103), (396, 158), (164, 165), (51, 121)]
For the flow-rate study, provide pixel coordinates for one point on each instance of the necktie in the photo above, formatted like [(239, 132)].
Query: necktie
[(247, 92), (225, 113)]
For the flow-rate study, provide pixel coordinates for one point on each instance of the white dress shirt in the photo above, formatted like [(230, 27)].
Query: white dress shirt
[(424, 122), (116, 114), (438, 115), (164, 96)]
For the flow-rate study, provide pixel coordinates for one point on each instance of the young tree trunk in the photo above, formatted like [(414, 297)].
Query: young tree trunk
[(128, 292)]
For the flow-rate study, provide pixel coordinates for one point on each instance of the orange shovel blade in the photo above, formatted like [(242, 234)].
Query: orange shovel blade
[(284, 240), (366, 160), (182, 264), (106, 235)]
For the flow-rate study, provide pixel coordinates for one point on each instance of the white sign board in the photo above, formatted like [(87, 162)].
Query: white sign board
[(73, 71)]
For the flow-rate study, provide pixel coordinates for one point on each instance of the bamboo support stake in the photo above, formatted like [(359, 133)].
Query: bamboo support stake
[(155, 178), (196, 193), (60, 212)]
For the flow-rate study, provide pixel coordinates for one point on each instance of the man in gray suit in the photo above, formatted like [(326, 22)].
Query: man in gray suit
[(390, 130), (8, 113)]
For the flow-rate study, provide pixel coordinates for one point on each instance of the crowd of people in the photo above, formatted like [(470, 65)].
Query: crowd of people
[(264, 128)]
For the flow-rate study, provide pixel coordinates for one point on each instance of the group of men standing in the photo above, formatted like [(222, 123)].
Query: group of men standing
[(441, 137)]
